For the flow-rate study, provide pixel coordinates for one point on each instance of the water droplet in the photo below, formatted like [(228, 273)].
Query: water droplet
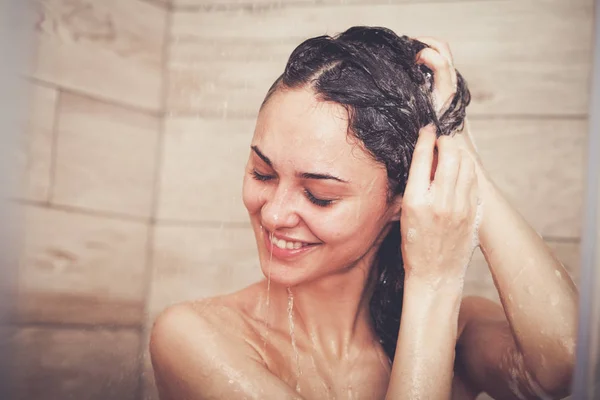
[(530, 289)]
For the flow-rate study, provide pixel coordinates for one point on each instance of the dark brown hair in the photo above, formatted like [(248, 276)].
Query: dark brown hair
[(372, 72)]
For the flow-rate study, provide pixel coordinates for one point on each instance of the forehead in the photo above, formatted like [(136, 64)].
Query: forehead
[(294, 127)]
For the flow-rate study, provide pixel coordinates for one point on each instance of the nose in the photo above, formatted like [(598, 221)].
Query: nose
[(279, 210)]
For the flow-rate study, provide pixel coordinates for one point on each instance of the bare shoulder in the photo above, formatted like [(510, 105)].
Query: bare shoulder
[(223, 320), (208, 349)]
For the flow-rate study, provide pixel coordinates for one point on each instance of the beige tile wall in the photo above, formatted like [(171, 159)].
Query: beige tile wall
[(91, 165), (136, 148)]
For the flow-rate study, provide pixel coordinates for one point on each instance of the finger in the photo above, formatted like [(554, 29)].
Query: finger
[(420, 167), (444, 49), (441, 47), (448, 167), (444, 76)]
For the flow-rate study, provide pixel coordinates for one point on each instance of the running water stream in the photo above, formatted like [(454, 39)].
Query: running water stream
[(268, 301), (293, 337)]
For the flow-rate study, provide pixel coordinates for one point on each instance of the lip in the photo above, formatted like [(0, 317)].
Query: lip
[(285, 254)]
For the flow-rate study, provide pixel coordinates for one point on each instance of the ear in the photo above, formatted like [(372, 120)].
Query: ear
[(396, 208)]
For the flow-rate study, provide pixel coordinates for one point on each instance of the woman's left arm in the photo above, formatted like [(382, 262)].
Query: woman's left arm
[(538, 296), (527, 349)]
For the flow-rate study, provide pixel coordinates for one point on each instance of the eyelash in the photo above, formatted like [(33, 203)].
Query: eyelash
[(316, 201)]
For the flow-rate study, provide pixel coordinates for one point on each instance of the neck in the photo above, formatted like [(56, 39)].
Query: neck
[(332, 312)]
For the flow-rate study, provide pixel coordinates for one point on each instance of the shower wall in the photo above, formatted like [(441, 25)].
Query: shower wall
[(141, 120), (96, 88)]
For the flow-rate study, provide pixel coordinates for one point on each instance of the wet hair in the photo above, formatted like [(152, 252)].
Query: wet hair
[(372, 73)]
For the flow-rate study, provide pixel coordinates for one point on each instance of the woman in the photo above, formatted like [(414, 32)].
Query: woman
[(366, 207)]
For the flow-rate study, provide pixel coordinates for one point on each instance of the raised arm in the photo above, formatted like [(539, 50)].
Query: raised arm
[(524, 349), (539, 322), (438, 232), (193, 359)]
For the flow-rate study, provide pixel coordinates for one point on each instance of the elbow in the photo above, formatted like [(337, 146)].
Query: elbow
[(554, 380)]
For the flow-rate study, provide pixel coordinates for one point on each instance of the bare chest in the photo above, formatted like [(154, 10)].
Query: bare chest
[(314, 377), (365, 378)]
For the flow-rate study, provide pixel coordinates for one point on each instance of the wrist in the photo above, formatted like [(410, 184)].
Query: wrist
[(434, 287), (436, 304)]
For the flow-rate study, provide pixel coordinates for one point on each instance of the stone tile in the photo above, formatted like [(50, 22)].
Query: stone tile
[(62, 363), (479, 282), (36, 157), (203, 168), (82, 269), (106, 157), (110, 49), (539, 166), (224, 60), (194, 262)]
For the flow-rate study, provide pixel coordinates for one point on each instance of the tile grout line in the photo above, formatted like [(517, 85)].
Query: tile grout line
[(54, 149), (247, 116), (75, 326), (252, 7), (132, 218), (152, 221), (94, 97), (140, 392), (81, 211)]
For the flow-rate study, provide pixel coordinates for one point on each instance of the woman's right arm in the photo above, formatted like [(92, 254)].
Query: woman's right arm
[(424, 359), (438, 233), (194, 359)]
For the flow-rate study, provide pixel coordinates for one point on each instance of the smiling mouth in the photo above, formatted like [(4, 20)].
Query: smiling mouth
[(287, 244)]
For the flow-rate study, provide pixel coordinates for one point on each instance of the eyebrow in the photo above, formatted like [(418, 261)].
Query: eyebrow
[(262, 156), (304, 175)]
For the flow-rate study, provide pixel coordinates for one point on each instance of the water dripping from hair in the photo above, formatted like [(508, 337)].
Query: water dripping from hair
[(293, 337), (268, 301)]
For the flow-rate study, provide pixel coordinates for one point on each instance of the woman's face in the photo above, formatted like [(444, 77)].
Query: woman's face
[(317, 201)]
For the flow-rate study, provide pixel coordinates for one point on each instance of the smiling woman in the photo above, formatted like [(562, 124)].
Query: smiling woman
[(367, 199)]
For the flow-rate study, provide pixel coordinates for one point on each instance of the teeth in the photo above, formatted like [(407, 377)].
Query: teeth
[(282, 244)]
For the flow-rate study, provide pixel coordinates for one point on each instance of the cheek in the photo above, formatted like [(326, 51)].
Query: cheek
[(359, 223), (253, 194)]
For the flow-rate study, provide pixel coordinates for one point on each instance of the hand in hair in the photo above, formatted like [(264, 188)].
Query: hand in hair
[(441, 197), (438, 216), (438, 58)]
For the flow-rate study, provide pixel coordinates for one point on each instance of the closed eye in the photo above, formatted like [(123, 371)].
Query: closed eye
[(260, 177), (317, 201)]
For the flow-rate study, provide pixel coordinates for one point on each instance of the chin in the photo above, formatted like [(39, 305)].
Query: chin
[(284, 274)]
